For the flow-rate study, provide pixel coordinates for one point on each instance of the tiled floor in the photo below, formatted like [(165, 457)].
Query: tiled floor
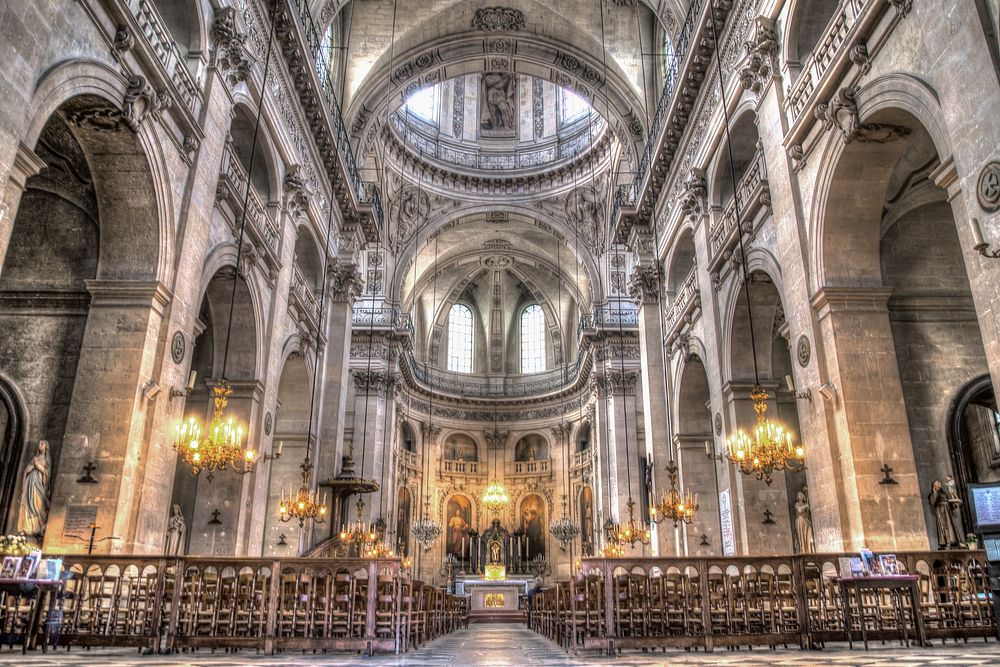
[(516, 646)]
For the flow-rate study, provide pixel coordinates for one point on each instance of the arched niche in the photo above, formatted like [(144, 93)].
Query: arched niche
[(12, 444), (807, 20), (308, 257), (408, 439), (533, 522), (583, 437), (263, 178), (744, 139), (531, 447), (681, 260), (460, 447)]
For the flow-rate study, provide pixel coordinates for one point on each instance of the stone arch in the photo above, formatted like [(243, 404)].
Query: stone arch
[(266, 157), (461, 446), (966, 459), (13, 436), (308, 255), (531, 447), (898, 100), (680, 259), (135, 194), (744, 137), (807, 20), (187, 23)]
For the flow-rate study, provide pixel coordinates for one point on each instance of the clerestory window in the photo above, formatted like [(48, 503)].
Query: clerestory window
[(460, 339), (532, 339)]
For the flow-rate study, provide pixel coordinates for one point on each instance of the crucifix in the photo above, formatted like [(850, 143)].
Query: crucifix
[(215, 518), (87, 478), (768, 517), (887, 471)]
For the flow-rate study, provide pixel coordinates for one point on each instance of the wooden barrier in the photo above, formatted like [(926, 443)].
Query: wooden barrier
[(172, 604), (651, 603)]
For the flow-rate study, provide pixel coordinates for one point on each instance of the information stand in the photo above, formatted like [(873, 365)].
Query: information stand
[(984, 501)]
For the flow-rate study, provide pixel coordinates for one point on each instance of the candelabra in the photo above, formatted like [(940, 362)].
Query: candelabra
[(771, 448), (675, 505), (631, 532), (565, 529), (425, 529), (306, 504), (359, 533)]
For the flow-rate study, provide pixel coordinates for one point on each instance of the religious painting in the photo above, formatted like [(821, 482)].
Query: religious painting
[(533, 524), (531, 447), (460, 447), (459, 521), (587, 520), (498, 105), (403, 506)]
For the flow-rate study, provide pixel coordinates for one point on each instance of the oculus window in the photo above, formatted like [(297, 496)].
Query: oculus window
[(460, 339), (424, 104), (532, 339)]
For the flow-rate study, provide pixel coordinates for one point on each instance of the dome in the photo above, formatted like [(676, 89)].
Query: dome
[(497, 121)]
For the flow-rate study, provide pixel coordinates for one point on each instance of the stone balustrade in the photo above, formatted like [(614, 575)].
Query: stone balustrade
[(233, 189), (751, 195), (686, 300), (540, 467), (154, 29), (304, 295), (454, 468)]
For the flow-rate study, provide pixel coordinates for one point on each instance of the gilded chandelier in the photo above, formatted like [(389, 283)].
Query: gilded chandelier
[(675, 505), (222, 448), (363, 535), (425, 529), (631, 532), (305, 504), (770, 450), (565, 529), (495, 497)]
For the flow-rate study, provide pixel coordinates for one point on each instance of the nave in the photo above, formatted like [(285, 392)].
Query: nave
[(498, 644)]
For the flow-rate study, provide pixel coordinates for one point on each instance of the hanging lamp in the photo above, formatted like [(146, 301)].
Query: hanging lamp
[(768, 447), (220, 446)]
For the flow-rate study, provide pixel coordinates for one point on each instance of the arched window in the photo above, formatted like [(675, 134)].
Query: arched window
[(571, 106), (669, 62), (460, 339), (425, 104), (532, 339)]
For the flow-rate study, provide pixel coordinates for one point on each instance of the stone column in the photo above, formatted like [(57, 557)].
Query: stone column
[(109, 408), (624, 468), (344, 287), (870, 422), (373, 412)]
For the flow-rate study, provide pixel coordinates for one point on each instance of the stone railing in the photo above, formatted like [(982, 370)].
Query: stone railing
[(509, 386), (409, 459), (449, 467), (165, 48), (582, 459), (751, 193), (527, 468), (834, 40), (663, 136), (685, 300), (611, 315), (232, 186), (382, 317), (304, 294), (332, 134)]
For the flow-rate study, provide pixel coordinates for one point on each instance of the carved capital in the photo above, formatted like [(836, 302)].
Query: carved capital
[(693, 193), (346, 282), (645, 284), (232, 58), (759, 67), (375, 382), (496, 439), (297, 192)]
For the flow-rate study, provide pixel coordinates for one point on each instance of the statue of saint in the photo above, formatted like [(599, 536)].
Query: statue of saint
[(947, 535), (804, 524), (495, 552), (175, 533), (954, 502), (35, 493)]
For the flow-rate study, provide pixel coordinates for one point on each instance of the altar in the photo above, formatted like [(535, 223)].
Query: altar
[(493, 600)]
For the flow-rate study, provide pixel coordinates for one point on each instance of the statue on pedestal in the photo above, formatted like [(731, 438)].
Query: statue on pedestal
[(34, 512), (176, 527), (803, 523), (954, 503), (947, 534)]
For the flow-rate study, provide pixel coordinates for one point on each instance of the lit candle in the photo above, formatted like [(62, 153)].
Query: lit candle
[(281, 445), (977, 233)]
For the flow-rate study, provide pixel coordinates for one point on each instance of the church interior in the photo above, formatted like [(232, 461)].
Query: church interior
[(451, 331)]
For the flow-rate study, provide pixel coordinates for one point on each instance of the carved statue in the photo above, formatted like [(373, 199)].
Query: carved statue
[(804, 524), (954, 502), (35, 493), (498, 102), (947, 535), (495, 552), (175, 533)]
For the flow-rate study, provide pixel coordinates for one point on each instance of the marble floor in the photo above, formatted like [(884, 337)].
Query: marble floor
[(508, 644)]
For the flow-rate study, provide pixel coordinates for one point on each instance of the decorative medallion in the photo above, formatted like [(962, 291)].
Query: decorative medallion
[(988, 189), (498, 19), (268, 423), (803, 351), (718, 423), (177, 346)]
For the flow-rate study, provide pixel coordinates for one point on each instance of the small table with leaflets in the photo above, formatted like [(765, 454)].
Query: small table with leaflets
[(41, 594), (898, 587)]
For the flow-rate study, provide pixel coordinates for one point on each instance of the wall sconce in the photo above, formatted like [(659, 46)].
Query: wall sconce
[(797, 394), (828, 391), (188, 388), (710, 451), (979, 244), (151, 390), (87, 477)]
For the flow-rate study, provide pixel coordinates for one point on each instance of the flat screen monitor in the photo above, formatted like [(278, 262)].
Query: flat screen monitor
[(984, 501)]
